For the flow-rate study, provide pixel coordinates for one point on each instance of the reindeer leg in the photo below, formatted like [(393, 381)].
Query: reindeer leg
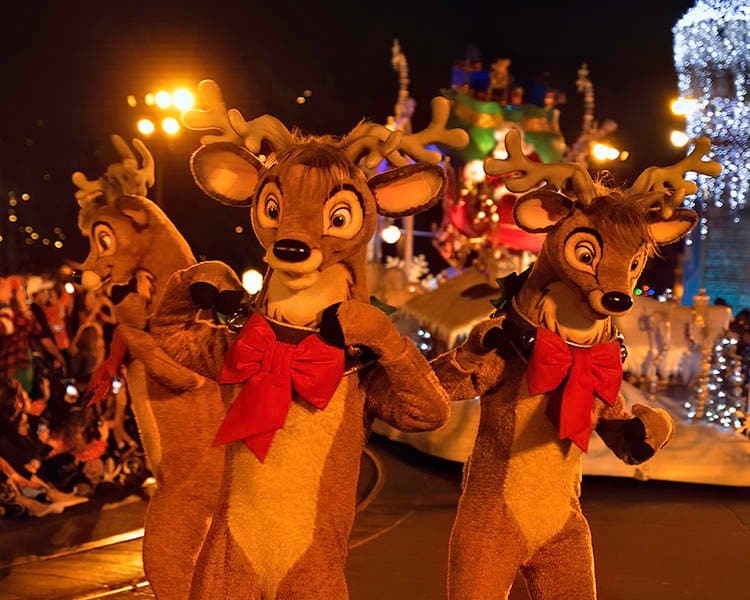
[(485, 552), (563, 568)]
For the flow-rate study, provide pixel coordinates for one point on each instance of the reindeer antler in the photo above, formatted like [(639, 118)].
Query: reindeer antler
[(382, 143), (534, 173), (87, 188), (124, 177), (232, 125), (650, 184)]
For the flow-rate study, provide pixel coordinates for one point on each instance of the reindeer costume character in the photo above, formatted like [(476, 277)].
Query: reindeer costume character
[(548, 371), (315, 363), (134, 250)]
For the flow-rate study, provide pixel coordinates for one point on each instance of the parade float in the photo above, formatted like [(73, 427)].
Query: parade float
[(687, 358)]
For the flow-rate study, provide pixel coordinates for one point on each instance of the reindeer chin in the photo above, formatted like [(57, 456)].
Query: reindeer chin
[(296, 282)]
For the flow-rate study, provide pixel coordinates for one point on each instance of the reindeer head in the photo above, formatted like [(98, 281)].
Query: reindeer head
[(127, 232), (312, 206), (598, 239)]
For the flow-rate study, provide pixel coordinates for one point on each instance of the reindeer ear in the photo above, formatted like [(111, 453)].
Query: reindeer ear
[(540, 210), (226, 172), (667, 231), (408, 190)]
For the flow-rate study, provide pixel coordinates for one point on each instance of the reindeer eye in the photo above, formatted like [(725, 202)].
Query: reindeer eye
[(105, 241), (341, 217), (585, 252), (635, 264), (272, 208)]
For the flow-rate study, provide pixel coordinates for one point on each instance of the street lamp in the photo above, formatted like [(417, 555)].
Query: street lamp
[(162, 107), (145, 126), (170, 125)]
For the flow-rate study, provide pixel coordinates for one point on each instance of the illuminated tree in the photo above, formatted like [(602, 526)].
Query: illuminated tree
[(713, 66)]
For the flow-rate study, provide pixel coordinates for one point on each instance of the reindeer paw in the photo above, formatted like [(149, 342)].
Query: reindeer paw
[(145, 284), (330, 327), (206, 296)]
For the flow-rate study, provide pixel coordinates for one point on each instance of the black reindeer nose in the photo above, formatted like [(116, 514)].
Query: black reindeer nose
[(617, 301), (290, 250), (76, 276)]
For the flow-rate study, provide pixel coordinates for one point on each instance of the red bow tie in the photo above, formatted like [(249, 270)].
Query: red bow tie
[(582, 372), (272, 370)]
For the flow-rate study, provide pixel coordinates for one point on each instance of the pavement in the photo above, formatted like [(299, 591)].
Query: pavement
[(652, 540)]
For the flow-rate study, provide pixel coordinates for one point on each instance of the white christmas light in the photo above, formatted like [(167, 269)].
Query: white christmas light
[(713, 66), (252, 281)]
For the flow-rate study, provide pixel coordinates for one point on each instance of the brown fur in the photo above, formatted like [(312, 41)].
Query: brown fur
[(519, 508), (280, 527), (148, 248), (187, 408)]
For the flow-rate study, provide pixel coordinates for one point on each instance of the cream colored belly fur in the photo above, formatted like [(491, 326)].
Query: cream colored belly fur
[(273, 505), (541, 479)]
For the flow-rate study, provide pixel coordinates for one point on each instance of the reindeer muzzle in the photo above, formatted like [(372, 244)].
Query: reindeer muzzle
[(88, 279)]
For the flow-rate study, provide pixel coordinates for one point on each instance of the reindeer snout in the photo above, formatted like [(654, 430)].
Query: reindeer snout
[(290, 250), (617, 301)]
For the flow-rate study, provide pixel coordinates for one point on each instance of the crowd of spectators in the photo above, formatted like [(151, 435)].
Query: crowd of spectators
[(55, 449)]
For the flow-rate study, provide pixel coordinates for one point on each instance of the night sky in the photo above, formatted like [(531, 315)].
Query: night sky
[(68, 67)]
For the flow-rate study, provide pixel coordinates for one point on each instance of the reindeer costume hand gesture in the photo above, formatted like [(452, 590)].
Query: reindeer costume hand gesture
[(548, 371), (315, 363)]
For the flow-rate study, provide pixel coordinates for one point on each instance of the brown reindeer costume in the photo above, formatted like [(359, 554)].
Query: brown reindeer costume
[(548, 371), (135, 248), (314, 364)]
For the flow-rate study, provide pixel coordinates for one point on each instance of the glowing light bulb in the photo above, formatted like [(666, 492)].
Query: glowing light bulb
[(163, 99), (602, 152), (683, 106), (183, 99), (474, 171), (69, 288), (146, 126), (391, 234), (252, 281), (170, 125), (678, 139)]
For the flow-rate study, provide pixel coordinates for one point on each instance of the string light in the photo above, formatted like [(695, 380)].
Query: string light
[(30, 235), (725, 402), (710, 51)]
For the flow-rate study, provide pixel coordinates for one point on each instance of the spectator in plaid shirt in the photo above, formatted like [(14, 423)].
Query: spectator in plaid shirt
[(16, 328)]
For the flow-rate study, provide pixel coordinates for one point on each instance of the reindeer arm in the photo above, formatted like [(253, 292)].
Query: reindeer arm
[(184, 321), (634, 438), (401, 389), (472, 368), (405, 393), (200, 346), (163, 368)]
